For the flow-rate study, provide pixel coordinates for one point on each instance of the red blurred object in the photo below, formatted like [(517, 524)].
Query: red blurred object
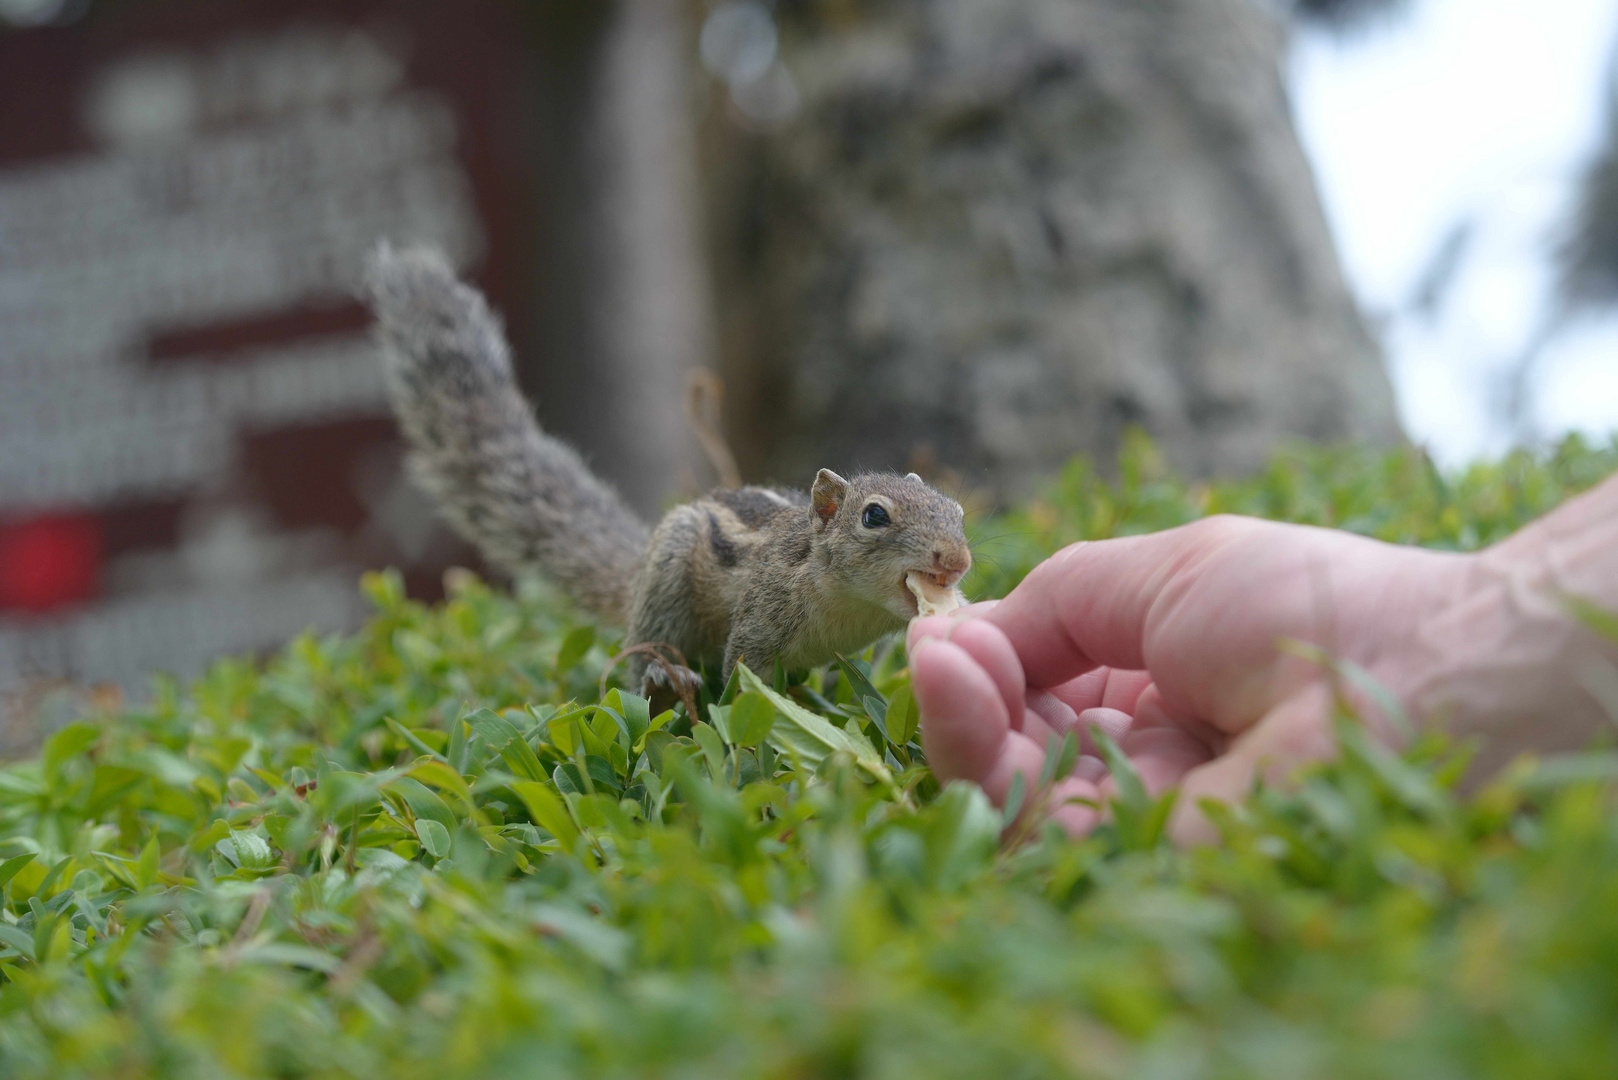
[(49, 561)]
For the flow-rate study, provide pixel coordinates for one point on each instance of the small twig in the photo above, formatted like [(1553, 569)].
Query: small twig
[(250, 921), (654, 649), (353, 844), (249, 925), (367, 950), (704, 392)]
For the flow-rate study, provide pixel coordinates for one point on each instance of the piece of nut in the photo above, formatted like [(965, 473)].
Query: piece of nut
[(931, 597)]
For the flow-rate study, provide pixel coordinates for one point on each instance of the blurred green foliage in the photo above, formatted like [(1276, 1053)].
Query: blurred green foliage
[(1399, 497), (409, 853)]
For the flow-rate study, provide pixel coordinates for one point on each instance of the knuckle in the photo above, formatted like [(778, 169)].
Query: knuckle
[(1219, 528)]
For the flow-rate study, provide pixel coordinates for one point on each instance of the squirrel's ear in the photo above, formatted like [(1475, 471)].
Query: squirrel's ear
[(828, 493), (916, 478)]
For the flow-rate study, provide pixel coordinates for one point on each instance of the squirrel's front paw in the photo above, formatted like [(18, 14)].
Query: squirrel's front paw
[(664, 686)]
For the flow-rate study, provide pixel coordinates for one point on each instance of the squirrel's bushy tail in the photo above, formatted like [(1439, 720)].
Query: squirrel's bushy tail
[(525, 499)]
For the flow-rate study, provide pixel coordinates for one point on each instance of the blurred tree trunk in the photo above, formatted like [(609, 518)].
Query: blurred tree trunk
[(621, 307), (1002, 231)]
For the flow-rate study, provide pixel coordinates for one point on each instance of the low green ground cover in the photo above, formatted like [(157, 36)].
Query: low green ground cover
[(433, 849)]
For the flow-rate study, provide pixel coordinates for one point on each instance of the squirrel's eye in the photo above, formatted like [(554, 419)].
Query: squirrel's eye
[(875, 517)]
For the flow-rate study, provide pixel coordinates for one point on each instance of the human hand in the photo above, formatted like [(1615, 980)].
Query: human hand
[(1171, 643)]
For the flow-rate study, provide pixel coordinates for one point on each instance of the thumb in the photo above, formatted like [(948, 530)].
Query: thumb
[(1087, 605)]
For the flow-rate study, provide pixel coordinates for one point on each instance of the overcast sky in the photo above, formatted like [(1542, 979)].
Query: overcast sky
[(1457, 112)]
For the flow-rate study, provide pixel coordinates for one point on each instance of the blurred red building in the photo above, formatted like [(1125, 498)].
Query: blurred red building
[(195, 450)]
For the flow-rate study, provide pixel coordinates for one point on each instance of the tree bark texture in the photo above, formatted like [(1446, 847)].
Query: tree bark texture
[(1002, 231)]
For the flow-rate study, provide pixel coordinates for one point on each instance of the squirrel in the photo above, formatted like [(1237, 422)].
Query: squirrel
[(752, 573)]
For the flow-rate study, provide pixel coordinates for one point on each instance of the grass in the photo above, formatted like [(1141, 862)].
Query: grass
[(429, 849)]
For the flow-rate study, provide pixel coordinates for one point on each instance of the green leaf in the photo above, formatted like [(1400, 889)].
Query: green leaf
[(569, 780), (1547, 774), (44, 934), (15, 788), (285, 954), (601, 730), (1060, 756), (455, 753), (1410, 785), (207, 837), (17, 938), (344, 798), (574, 646), (55, 873), (658, 722), (858, 681), (548, 811), (635, 710), (68, 743), (751, 718), (656, 743), (712, 746), (1131, 792), (247, 850), (412, 740), (732, 686), (603, 943), (869, 697), (903, 719), (1014, 800), (563, 728), (1149, 828), (719, 720), (384, 588), (494, 729), (877, 709), (436, 774), (810, 738), (110, 784), (602, 773), (962, 835), (146, 865), (607, 722), (1140, 819), (9, 868), (433, 836), (423, 801), (508, 742)]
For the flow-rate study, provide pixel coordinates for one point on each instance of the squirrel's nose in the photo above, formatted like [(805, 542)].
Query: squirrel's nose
[(952, 562)]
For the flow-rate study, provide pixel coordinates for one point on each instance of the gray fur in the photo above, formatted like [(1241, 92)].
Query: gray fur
[(525, 499), (748, 573)]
